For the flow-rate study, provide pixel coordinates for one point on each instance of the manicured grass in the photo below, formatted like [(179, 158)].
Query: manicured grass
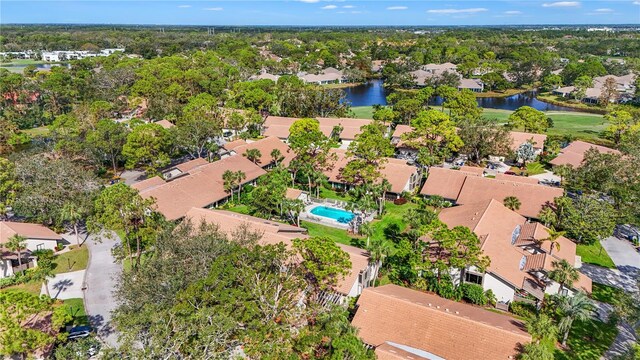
[(391, 218), (534, 168), (594, 254), (33, 287), (337, 235), (332, 194), (498, 94), (588, 340), (605, 293), (240, 208), (581, 125), (73, 260), (35, 132), (363, 112), (76, 310)]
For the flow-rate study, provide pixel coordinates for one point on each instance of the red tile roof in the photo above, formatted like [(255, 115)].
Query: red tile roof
[(574, 153), (445, 182), (32, 231), (519, 138), (427, 323), (266, 146), (201, 187)]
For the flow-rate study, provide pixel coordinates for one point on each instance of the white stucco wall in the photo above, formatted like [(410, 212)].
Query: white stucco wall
[(503, 291), (32, 244), (6, 269)]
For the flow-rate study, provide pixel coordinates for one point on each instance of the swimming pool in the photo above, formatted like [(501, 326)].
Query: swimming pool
[(338, 215)]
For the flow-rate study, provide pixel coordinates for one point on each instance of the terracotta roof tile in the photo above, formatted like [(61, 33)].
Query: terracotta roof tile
[(266, 146), (519, 138), (574, 153), (445, 182), (515, 178), (33, 231), (431, 324)]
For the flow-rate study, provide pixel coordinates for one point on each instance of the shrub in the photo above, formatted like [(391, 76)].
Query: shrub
[(522, 309), (474, 293), (400, 201)]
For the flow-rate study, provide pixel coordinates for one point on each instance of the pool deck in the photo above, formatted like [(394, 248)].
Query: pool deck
[(308, 216)]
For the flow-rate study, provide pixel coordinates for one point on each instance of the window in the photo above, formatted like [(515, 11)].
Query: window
[(515, 234), (40, 247), (473, 278)]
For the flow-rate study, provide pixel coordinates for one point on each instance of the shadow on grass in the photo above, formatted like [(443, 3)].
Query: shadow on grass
[(588, 340)]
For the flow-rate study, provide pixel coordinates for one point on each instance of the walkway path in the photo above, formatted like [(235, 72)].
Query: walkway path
[(102, 273)]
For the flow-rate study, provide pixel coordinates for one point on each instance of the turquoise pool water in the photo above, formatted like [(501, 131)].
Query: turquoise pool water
[(340, 216)]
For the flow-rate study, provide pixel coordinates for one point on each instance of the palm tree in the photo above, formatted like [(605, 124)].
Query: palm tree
[(553, 237), (45, 268), (366, 230), (253, 155), (547, 216), (239, 177), (541, 328), (378, 249), (73, 214), (563, 171), (17, 244), (511, 203), (577, 307), (276, 156), (564, 274), (533, 351), (228, 179)]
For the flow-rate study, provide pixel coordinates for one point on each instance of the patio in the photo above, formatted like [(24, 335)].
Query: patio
[(312, 203)]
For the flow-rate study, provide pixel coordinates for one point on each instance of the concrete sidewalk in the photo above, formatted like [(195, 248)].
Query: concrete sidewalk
[(66, 285)]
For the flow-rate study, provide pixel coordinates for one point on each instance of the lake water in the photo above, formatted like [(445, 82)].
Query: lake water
[(373, 93), (20, 67)]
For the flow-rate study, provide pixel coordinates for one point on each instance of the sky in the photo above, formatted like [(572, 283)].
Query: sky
[(321, 12)]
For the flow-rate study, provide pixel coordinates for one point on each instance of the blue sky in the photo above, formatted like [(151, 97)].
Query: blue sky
[(322, 12)]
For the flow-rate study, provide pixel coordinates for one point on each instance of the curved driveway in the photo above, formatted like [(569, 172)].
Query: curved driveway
[(100, 281)]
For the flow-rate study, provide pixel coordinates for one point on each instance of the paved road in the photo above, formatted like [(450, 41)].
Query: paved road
[(100, 281), (625, 276), (66, 285)]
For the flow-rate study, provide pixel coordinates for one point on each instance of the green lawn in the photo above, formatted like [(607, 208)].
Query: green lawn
[(76, 310), (594, 254), (363, 112), (73, 260), (588, 340), (605, 293), (337, 235), (240, 208), (332, 194), (35, 132), (392, 216), (33, 287), (581, 125)]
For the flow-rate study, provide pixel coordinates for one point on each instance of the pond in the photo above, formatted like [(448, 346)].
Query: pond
[(20, 67), (373, 92)]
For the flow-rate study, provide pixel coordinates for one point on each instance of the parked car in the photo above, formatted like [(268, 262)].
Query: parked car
[(627, 232), (510, 173), (79, 332)]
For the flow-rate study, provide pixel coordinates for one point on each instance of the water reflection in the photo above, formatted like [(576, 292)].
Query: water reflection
[(374, 92)]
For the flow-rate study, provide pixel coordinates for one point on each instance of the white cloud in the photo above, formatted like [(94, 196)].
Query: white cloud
[(213, 9), (397, 8), (636, 3), (184, 6), (356, 12), (604, 10), (348, 6), (457, 11), (309, 1), (328, 7), (513, 12), (562, 4)]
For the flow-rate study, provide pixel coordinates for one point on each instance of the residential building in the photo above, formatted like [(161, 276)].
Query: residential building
[(195, 183), (402, 323), (463, 187), (475, 85), (265, 146), (165, 124), (55, 56), (519, 138), (573, 154), (38, 237), (264, 75), (327, 76), (345, 129), (362, 272), (520, 256), (401, 176)]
